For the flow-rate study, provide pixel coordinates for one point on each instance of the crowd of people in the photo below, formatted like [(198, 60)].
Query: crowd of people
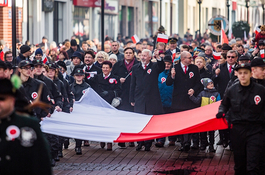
[(149, 77)]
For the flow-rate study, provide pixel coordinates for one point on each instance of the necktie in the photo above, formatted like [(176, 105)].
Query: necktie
[(88, 68), (230, 69), (145, 66), (185, 69)]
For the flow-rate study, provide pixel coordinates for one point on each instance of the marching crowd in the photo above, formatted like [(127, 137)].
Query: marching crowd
[(149, 77)]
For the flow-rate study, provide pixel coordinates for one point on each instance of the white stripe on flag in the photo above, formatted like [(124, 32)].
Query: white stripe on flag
[(162, 38)]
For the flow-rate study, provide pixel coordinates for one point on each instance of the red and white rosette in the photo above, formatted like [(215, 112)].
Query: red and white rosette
[(34, 95), (163, 80), (257, 99), (12, 132), (149, 71), (212, 98), (112, 80), (191, 74)]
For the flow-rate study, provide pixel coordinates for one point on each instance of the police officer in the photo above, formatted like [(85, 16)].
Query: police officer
[(78, 88), (173, 46), (245, 101), (24, 150)]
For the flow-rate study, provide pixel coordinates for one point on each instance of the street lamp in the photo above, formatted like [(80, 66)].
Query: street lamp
[(227, 5), (247, 6), (199, 2)]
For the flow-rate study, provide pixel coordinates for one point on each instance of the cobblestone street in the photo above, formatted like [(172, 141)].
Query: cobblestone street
[(167, 160)]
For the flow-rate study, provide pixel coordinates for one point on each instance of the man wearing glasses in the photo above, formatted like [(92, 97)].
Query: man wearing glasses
[(8, 57), (221, 78), (186, 79)]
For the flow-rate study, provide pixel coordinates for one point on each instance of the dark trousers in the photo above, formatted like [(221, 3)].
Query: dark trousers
[(53, 143), (248, 144), (146, 143), (204, 140), (224, 135), (78, 143)]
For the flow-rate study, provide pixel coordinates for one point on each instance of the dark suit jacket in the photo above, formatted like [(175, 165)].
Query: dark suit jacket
[(182, 83), (89, 78), (119, 69), (144, 88), (168, 52), (222, 79)]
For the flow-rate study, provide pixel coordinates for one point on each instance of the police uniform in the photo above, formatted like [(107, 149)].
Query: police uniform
[(23, 149), (78, 91), (246, 105)]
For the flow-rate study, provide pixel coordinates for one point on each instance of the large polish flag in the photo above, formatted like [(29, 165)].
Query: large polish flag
[(162, 38), (94, 119)]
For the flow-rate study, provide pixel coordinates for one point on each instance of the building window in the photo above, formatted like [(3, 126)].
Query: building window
[(150, 18), (81, 23), (58, 22)]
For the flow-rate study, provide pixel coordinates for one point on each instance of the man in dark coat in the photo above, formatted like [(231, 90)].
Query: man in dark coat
[(24, 54), (173, 47), (74, 48), (123, 69), (144, 92), (24, 150), (221, 78), (186, 78), (115, 45)]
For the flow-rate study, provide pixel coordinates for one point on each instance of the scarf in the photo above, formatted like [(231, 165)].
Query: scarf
[(130, 65)]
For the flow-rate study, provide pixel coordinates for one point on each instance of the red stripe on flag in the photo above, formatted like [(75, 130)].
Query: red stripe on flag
[(217, 55), (261, 53), (191, 121)]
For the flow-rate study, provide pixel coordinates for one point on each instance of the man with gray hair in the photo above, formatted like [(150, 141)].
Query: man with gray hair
[(186, 79), (144, 91)]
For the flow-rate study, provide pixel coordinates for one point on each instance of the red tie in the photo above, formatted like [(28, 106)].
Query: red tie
[(145, 66), (185, 69), (230, 69), (88, 68)]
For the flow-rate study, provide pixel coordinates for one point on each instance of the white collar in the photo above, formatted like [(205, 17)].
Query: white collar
[(106, 76)]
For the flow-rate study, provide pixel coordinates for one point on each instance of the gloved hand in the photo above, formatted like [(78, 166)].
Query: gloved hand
[(104, 93), (220, 115)]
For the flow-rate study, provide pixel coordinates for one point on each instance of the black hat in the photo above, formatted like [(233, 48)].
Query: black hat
[(243, 66), (173, 40), (261, 42), (7, 88), (52, 66), (130, 41), (150, 44), (79, 71), (226, 47), (37, 62), (161, 29), (44, 37), (243, 57), (62, 64), (139, 42), (24, 49), (73, 42), (3, 65), (77, 54), (258, 62), (25, 63), (168, 58)]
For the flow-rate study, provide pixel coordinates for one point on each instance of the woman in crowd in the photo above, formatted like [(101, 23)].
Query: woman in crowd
[(101, 56)]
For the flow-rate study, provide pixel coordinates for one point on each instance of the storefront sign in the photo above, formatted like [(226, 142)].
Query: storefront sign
[(109, 7), (87, 3), (4, 3)]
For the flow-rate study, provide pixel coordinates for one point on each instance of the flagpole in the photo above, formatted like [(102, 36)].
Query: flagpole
[(218, 39)]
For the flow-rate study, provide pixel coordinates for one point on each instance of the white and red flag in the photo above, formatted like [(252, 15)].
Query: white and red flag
[(135, 39), (217, 55), (245, 36), (224, 38), (162, 38), (261, 53), (257, 30), (94, 119), (44, 58)]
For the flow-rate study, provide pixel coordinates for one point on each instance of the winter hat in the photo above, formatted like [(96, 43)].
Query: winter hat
[(62, 64), (24, 49), (262, 28), (39, 51), (205, 82), (73, 42)]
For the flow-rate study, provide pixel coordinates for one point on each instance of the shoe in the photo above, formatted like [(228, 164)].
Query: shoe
[(52, 163), (211, 149), (102, 144), (60, 153), (86, 143), (171, 143), (147, 148), (66, 143), (220, 142), (139, 147), (203, 147), (195, 146), (122, 145), (56, 158), (109, 146), (78, 151), (186, 147), (225, 144), (131, 144), (159, 145)]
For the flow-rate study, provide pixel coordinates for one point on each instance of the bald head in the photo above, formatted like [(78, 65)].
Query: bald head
[(184, 54), (185, 58)]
